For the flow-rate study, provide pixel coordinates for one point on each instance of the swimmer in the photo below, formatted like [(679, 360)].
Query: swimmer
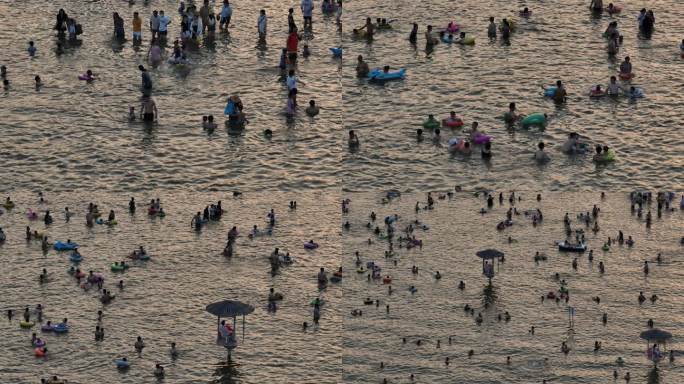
[(305, 52), (174, 351), (596, 91), (461, 38), (419, 135), (413, 36), (613, 88), (131, 113), (148, 110), (540, 156), (39, 82), (353, 140), (598, 157), (510, 116), (525, 12), (361, 67), (429, 38), (312, 110), (491, 29), (486, 151), (635, 93), (88, 76), (626, 67), (210, 125), (32, 49), (596, 5), (436, 138), (505, 29), (158, 370), (139, 344)]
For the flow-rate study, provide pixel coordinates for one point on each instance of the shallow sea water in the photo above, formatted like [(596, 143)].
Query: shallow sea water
[(163, 300), (72, 140), (76, 134), (435, 312), (560, 41)]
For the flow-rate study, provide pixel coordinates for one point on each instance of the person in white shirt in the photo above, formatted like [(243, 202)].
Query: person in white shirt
[(261, 24), (540, 156), (307, 10), (164, 22), (226, 13), (613, 88), (291, 80), (154, 24)]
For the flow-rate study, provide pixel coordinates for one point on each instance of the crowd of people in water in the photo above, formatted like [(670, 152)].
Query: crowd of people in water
[(198, 25), (398, 234), (95, 280), (388, 230)]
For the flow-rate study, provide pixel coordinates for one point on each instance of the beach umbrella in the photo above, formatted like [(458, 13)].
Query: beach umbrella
[(657, 335), (230, 308), (489, 254)]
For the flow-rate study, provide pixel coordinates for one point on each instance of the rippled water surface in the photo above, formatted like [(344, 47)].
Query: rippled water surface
[(163, 300), (73, 133), (560, 41), (435, 312)]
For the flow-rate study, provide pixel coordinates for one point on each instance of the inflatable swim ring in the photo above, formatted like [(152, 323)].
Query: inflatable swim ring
[(47, 328), (310, 245), (320, 302), (39, 343), (368, 301), (378, 74), (480, 139), (596, 93), (76, 258), (335, 279), (638, 93), (8, 205), (534, 119), (118, 267), (31, 215), (468, 40), (626, 76), (610, 156), (85, 77), (121, 364), (452, 28), (337, 52), (452, 123), (61, 328), (550, 92), (60, 246), (27, 324), (605, 247), (39, 352), (615, 9), (387, 280), (360, 270), (106, 222)]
